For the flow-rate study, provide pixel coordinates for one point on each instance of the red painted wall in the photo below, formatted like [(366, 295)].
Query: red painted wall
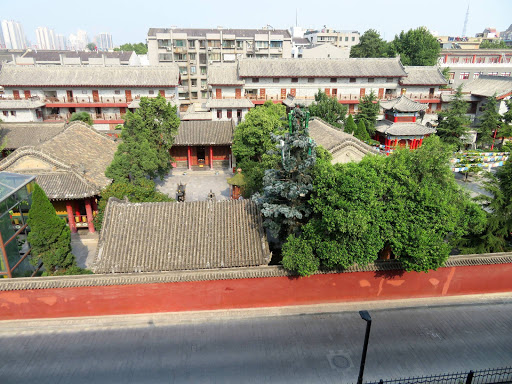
[(247, 293)]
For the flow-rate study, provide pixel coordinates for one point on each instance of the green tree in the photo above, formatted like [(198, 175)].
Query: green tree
[(369, 108), (350, 125), (298, 256), (408, 202), (49, 236), (81, 116), (416, 47), (253, 145), (506, 126), (362, 132), (143, 192), (453, 124), (139, 48), (488, 122), (147, 137), (328, 109), (91, 47), (370, 45), (446, 74), (496, 44), (283, 202)]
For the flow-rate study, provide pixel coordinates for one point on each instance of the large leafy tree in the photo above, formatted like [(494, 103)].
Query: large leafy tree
[(500, 44), (253, 145), (368, 112), (49, 236), (139, 48), (370, 45), (328, 109), (488, 122), (147, 135), (453, 123), (81, 116), (408, 202), (416, 47)]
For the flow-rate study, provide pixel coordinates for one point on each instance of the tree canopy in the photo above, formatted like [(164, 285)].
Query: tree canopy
[(350, 125), (416, 47), (147, 136), (328, 109), (453, 124), (368, 112), (91, 46), (488, 122), (496, 44), (370, 45), (139, 48), (408, 202), (81, 116)]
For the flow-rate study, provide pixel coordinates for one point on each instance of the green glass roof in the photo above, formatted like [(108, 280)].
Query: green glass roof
[(11, 182)]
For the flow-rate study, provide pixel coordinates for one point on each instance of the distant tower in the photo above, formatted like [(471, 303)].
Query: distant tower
[(465, 23)]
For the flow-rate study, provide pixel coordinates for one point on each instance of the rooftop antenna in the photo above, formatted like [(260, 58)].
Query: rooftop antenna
[(465, 23)]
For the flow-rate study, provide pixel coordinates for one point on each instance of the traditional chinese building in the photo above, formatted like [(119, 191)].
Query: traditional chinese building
[(203, 144), (70, 168), (400, 127)]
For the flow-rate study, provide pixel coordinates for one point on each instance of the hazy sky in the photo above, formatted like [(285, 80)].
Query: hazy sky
[(128, 20)]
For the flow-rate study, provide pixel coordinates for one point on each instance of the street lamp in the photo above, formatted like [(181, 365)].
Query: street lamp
[(366, 317)]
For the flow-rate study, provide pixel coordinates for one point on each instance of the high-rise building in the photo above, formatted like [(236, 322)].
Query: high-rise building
[(79, 41), (104, 42), (12, 35), (341, 39), (60, 42), (45, 38)]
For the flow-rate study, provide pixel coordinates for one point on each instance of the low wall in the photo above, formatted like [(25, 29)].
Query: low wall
[(243, 288)]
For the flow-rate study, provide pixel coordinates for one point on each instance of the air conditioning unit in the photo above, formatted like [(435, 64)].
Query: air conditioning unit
[(451, 81)]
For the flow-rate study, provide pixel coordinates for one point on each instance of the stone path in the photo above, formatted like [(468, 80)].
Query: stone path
[(83, 245)]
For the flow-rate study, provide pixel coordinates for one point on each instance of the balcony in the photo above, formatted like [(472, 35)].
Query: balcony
[(85, 99), (94, 116)]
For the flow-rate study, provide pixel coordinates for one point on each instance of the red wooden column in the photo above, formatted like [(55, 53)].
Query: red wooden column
[(71, 217), (211, 157), (189, 157), (88, 210), (386, 143), (421, 142)]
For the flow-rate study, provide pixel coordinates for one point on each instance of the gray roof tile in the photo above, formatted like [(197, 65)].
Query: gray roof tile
[(149, 237), (403, 104), (229, 103), (224, 74), (205, 133), (28, 134), (423, 76), (20, 104), (487, 86), (403, 129)]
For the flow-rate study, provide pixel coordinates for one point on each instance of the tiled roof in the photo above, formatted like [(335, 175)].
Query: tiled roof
[(205, 133), (149, 237), (79, 76), (447, 97), (403, 104), (229, 103), (301, 41), (423, 76), (77, 157), (333, 139), (224, 74), (20, 104), (50, 55), (321, 68), (239, 33), (487, 86), (403, 129), (16, 135)]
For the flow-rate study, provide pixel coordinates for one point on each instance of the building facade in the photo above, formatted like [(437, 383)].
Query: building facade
[(195, 50), (104, 42), (340, 39), (13, 36), (46, 38)]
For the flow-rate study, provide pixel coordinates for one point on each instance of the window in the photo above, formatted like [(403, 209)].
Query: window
[(311, 80), (13, 113), (468, 60), (164, 57), (151, 92), (451, 75), (480, 60), (493, 60), (193, 82), (262, 44), (239, 44), (117, 92), (371, 80), (493, 73), (203, 83), (464, 75), (180, 56), (295, 79), (203, 70), (505, 74), (255, 80), (202, 43), (275, 79), (230, 113), (276, 44), (192, 56), (203, 94), (214, 56), (455, 59), (333, 80), (346, 38), (191, 43), (194, 95), (352, 79), (476, 75), (6, 113), (179, 43), (214, 43), (228, 44), (183, 70), (353, 38), (192, 69), (219, 113), (389, 80)]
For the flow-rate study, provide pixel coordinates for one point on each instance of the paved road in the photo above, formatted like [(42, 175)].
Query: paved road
[(318, 348)]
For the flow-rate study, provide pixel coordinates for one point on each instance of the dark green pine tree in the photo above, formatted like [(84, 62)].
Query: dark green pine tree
[(49, 236), (453, 124), (362, 133), (368, 112), (489, 121), (287, 188), (350, 125)]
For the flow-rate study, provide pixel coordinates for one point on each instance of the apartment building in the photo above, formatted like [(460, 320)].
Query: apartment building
[(104, 92), (340, 39), (195, 50), (466, 65)]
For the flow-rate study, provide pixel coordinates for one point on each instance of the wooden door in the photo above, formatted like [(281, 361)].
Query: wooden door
[(162, 92), (96, 96), (381, 93), (218, 93), (16, 95), (122, 110), (128, 95), (283, 93), (293, 92), (27, 95), (335, 92), (262, 93), (362, 92), (328, 91), (351, 109), (69, 96), (238, 93)]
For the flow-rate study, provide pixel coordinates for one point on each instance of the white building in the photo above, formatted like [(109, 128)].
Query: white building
[(79, 41), (12, 35), (104, 42), (45, 38), (60, 42), (341, 39), (21, 111)]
